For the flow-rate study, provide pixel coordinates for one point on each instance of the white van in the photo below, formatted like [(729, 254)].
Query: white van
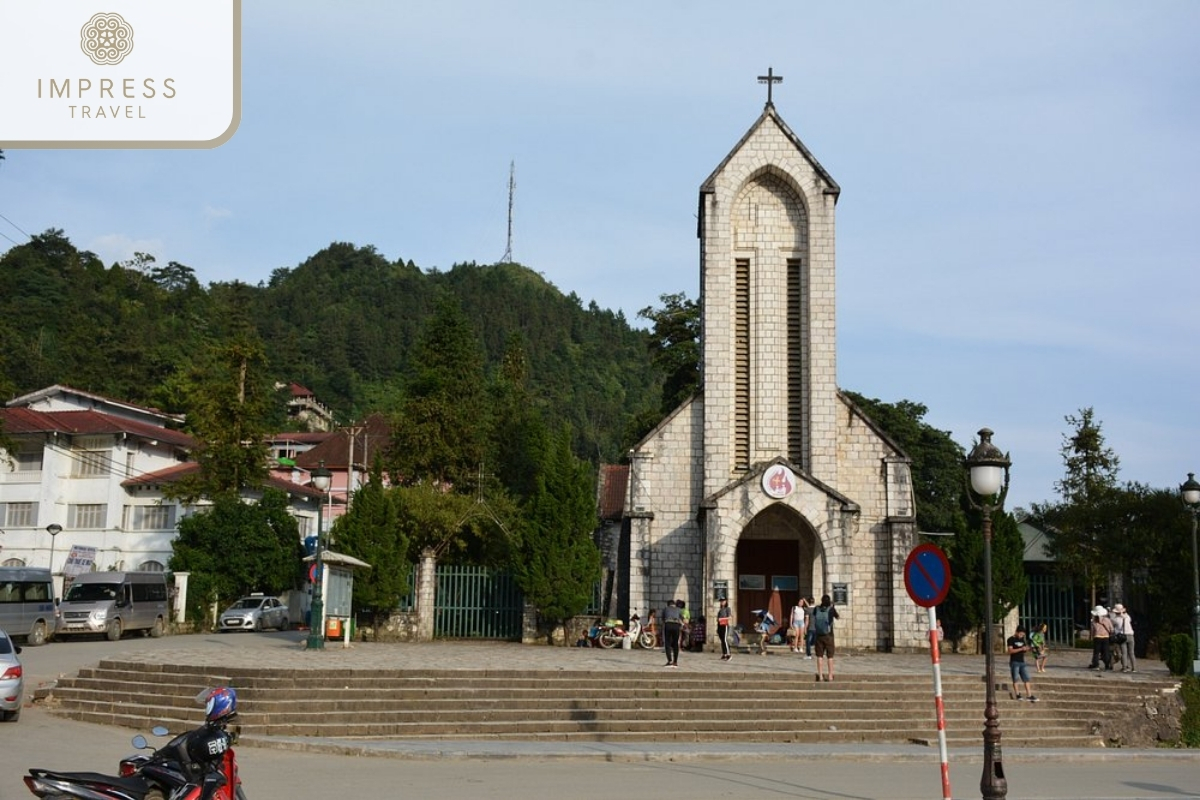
[(114, 602), (27, 607)]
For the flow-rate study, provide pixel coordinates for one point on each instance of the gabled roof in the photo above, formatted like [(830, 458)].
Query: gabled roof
[(370, 438), (771, 117), (180, 471), (92, 401), (83, 423)]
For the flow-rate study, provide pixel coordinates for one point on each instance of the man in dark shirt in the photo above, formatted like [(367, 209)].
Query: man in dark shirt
[(1018, 646)]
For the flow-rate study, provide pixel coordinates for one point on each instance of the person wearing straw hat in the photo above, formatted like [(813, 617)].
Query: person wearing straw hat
[(1102, 629), (1122, 637)]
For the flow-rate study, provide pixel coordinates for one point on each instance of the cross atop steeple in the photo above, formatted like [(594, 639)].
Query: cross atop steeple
[(770, 79)]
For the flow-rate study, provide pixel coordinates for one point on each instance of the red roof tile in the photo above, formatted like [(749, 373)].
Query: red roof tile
[(373, 438), (613, 480), (24, 420), (178, 471)]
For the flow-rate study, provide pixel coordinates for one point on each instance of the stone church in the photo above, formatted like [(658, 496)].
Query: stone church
[(770, 478)]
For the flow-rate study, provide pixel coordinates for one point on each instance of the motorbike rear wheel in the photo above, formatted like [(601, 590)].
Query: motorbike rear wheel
[(608, 640)]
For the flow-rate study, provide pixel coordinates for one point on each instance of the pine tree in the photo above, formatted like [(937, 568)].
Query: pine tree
[(441, 433), (1079, 528), (370, 530), (229, 405), (675, 346), (556, 561)]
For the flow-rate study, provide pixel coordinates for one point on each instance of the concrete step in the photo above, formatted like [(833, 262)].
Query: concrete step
[(590, 705)]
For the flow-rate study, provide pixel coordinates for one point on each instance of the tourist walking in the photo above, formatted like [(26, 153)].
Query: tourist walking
[(724, 618), (672, 620), (1018, 646), (1122, 638), (1101, 629), (823, 617)]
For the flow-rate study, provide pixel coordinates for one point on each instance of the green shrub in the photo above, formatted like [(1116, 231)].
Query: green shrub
[(1177, 651), (1189, 723)]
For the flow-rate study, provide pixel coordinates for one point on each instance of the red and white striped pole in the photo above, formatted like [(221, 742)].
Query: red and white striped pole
[(935, 650)]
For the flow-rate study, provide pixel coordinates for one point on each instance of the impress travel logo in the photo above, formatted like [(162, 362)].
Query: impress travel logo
[(120, 73)]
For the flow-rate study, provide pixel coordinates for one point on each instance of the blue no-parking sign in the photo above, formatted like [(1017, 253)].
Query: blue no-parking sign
[(927, 575)]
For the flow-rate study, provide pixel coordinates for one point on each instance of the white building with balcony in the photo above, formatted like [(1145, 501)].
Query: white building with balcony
[(81, 483)]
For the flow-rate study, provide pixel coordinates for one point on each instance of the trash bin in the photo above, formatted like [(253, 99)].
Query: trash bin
[(333, 628)]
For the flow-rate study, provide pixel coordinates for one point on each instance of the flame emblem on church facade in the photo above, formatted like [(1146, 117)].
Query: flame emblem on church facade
[(778, 481)]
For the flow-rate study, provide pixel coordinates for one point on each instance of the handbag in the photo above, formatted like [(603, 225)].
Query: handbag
[(1119, 638)]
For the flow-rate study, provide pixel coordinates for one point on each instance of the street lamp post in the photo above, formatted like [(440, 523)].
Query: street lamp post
[(988, 470), (316, 634), (1190, 491), (54, 529)]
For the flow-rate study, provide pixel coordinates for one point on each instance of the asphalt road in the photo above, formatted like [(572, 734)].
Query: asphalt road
[(40, 739), (695, 773)]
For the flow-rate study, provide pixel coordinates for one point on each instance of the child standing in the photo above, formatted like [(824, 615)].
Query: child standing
[(1041, 647)]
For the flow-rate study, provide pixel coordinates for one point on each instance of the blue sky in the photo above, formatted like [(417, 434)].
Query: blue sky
[(1019, 181)]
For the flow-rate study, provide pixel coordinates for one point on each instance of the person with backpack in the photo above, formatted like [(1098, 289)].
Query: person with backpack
[(810, 631), (823, 617)]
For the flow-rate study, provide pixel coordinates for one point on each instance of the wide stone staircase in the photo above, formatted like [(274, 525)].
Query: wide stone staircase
[(594, 706)]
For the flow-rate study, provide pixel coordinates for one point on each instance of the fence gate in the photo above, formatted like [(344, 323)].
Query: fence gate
[(477, 603), (1050, 599)]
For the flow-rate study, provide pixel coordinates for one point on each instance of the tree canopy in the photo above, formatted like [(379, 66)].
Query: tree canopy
[(235, 548)]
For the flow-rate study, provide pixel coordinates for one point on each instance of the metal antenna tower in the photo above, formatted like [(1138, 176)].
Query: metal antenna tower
[(512, 190)]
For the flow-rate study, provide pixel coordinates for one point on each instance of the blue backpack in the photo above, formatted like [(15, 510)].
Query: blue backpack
[(823, 620)]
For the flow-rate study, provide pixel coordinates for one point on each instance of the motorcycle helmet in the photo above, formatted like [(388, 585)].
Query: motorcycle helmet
[(220, 704)]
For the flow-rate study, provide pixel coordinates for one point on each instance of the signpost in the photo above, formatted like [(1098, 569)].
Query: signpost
[(927, 580)]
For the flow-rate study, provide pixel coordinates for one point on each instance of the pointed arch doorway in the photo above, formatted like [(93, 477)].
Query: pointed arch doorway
[(777, 550)]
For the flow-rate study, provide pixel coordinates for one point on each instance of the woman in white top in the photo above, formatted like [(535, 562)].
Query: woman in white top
[(1122, 637), (796, 629)]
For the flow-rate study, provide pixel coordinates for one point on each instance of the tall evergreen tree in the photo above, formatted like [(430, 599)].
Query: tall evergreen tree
[(229, 403), (370, 530), (556, 561), (1078, 527), (441, 434)]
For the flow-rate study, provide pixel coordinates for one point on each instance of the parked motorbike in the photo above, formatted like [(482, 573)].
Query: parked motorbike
[(191, 757), (196, 765), (614, 630)]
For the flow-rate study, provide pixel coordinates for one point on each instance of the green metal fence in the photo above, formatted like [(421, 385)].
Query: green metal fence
[(477, 603), (408, 602), (1050, 598)]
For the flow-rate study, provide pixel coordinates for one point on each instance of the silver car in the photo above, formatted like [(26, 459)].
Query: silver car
[(254, 613), (12, 682)]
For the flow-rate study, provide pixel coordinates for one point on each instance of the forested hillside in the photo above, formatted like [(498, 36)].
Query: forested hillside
[(343, 323)]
